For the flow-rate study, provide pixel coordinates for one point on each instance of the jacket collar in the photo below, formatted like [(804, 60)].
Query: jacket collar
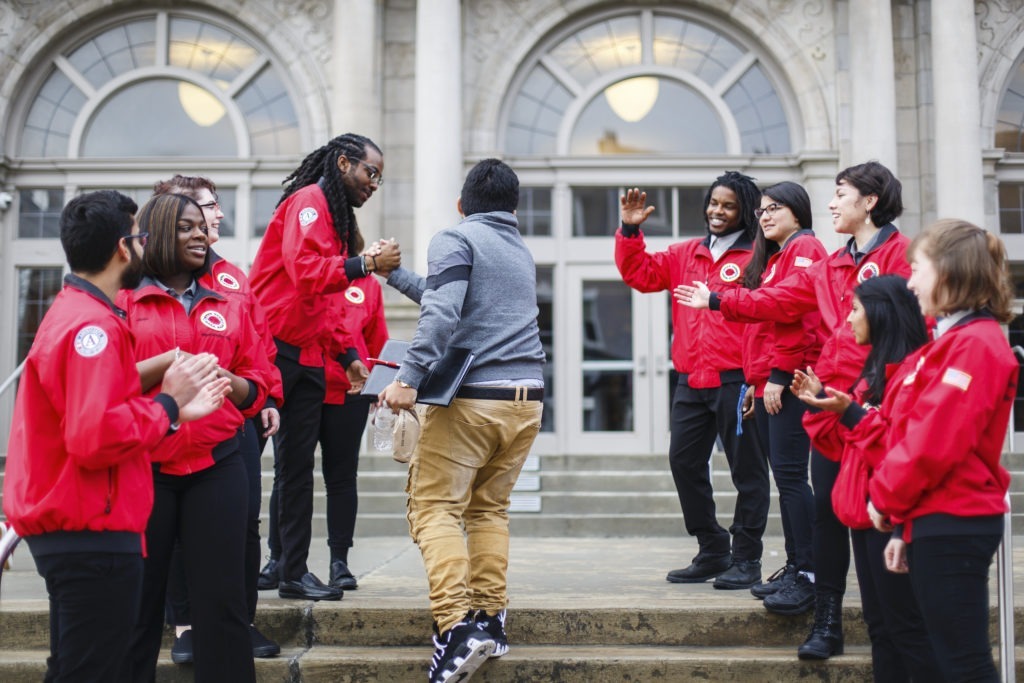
[(81, 284)]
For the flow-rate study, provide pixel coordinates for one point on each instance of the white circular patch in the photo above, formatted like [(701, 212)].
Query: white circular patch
[(867, 271), (307, 216), (730, 272), (771, 274), (355, 295), (90, 341), (214, 320), (228, 282)]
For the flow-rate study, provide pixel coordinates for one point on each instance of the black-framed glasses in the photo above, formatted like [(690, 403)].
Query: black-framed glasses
[(770, 209), (372, 172), (142, 237), (213, 206)]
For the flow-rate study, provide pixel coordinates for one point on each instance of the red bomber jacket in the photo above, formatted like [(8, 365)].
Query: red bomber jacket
[(78, 455), (226, 278), (947, 422), (218, 325), (300, 260), (361, 316), (704, 344)]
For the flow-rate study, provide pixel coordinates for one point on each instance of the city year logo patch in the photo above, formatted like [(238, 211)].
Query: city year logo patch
[(307, 216), (867, 271), (214, 320), (90, 341), (355, 295), (730, 272), (228, 282)]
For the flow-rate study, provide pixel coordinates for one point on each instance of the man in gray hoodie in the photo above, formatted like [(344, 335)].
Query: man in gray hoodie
[(479, 293)]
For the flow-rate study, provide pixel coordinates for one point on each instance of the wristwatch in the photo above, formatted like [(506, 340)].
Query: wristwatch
[(404, 385)]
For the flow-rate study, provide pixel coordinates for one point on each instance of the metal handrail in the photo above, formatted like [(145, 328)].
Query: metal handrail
[(9, 382)]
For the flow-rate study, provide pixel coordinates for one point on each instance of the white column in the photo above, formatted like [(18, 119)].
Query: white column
[(872, 83), (356, 105), (438, 156), (959, 181)]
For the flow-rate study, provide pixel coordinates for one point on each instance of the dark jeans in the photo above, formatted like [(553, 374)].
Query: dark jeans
[(178, 610), (341, 430), (698, 416), (900, 648), (207, 512), (831, 538), (94, 601), (789, 448), (294, 459), (950, 579)]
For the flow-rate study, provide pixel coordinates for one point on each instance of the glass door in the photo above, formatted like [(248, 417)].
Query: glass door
[(617, 371)]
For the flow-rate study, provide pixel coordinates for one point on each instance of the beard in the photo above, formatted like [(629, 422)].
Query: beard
[(132, 275)]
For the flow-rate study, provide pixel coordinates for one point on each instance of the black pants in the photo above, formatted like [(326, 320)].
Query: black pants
[(294, 458), (341, 431), (94, 601), (831, 538), (789, 449), (698, 416), (207, 512), (178, 611), (950, 579), (900, 648)]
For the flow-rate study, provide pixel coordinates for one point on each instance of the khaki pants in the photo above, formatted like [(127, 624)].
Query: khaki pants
[(460, 480)]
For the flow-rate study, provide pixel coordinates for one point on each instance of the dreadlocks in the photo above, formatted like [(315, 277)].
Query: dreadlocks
[(749, 198), (323, 164)]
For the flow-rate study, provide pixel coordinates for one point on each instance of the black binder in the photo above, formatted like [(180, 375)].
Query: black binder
[(439, 386)]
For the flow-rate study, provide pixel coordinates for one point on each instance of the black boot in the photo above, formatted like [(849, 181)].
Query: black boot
[(826, 638)]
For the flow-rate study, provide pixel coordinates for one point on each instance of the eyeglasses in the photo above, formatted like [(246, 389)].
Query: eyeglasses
[(770, 209), (142, 237), (213, 206), (372, 172)]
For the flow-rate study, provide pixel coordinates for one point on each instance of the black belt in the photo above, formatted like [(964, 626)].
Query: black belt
[(502, 393)]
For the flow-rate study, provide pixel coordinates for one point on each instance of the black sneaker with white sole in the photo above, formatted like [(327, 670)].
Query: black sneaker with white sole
[(459, 652), (495, 627)]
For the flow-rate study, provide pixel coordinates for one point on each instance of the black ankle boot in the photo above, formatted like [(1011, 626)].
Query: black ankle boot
[(826, 638)]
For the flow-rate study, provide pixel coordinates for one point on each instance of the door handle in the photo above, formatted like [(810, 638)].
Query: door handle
[(641, 366), (659, 366)]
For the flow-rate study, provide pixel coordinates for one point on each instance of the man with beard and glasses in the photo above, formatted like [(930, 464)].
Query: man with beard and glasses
[(307, 259), (78, 485)]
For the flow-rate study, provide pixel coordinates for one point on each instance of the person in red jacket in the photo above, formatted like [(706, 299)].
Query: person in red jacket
[(226, 278), (341, 427), (77, 485), (867, 198), (887, 317), (307, 257), (772, 352), (200, 483), (707, 353), (941, 477)]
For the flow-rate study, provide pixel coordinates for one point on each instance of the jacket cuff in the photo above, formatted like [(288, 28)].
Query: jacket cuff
[(853, 414), (715, 301), (630, 230), (351, 355), (169, 405), (270, 403), (251, 397), (777, 376), (355, 268)]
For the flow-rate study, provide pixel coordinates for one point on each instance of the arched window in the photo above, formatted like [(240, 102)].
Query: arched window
[(645, 82), (163, 85)]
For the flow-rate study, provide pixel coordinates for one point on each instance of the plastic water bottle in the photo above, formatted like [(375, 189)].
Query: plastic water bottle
[(383, 428)]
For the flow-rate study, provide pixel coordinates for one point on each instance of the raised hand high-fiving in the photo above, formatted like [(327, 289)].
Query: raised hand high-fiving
[(634, 209)]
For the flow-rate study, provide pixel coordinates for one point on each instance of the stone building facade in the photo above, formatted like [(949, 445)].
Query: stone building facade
[(582, 97)]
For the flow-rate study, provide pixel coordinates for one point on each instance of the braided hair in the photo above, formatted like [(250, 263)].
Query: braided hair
[(323, 164)]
